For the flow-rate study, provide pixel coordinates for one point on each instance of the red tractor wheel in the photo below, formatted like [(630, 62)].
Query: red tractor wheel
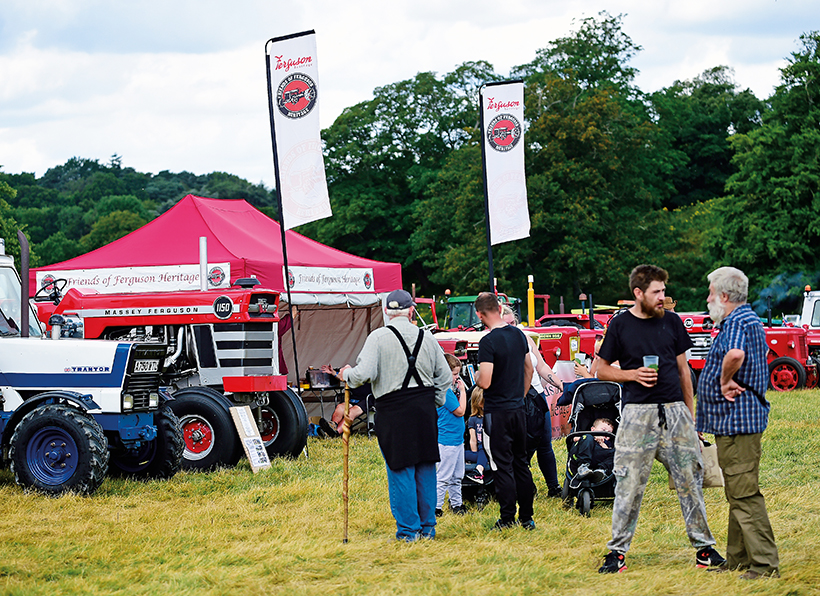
[(786, 374)]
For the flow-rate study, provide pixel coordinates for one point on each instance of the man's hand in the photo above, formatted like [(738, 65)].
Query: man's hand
[(341, 370), (647, 377), (731, 390)]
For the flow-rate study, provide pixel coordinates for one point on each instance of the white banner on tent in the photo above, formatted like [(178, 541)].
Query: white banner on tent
[(502, 107), (329, 279), (127, 280), (295, 95)]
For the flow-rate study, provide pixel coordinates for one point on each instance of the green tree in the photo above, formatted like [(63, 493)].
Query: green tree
[(110, 227), (382, 155), (696, 119), (770, 221), (58, 248)]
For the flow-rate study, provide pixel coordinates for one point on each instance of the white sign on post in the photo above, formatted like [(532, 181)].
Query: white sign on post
[(250, 437)]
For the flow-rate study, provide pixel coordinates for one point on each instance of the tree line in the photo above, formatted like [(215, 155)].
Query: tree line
[(697, 175)]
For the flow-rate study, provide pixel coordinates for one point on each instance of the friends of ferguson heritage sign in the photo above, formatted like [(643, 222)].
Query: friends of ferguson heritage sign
[(128, 280), (322, 280)]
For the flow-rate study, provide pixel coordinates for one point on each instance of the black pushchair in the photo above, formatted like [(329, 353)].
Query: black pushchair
[(592, 400)]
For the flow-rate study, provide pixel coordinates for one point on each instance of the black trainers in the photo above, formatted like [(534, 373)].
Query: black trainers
[(709, 557), (459, 510), (554, 492), (475, 476), (439, 513), (613, 563), (501, 525), (528, 525)]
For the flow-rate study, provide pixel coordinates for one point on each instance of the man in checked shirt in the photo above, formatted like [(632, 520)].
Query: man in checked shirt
[(733, 407)]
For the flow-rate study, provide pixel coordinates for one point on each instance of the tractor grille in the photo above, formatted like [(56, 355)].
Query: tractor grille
[(141, 383), (241, 345), (702, 341)]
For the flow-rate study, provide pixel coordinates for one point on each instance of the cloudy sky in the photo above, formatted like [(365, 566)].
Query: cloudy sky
[(180, 84)]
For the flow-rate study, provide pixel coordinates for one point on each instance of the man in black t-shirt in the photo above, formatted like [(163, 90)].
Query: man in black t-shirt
[(504, 364), (657, 416)]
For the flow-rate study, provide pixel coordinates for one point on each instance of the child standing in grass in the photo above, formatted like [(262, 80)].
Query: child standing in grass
[(474, 452), (450, 470)]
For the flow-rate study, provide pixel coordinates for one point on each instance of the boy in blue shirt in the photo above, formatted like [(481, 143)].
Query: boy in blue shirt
[(450, 470)]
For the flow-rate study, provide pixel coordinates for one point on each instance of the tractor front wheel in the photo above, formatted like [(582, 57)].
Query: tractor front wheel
[(786, 374), (284, 424), (57, 449), (208, 431)]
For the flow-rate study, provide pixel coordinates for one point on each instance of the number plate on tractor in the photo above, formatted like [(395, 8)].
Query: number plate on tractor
[(146, 366)]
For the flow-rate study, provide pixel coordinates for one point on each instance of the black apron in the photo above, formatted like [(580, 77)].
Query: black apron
[(406, 420)]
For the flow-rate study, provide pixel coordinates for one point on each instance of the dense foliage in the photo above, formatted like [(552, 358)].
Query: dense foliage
[(696, 175)]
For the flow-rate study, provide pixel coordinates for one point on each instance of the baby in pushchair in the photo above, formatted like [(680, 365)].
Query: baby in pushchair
[(596, 408)]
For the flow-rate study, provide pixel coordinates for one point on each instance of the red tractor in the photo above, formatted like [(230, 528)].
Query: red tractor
[(221, 350), (790, 366)]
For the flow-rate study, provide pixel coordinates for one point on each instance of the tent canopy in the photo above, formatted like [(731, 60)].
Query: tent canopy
[(238, 235), (338, 294)]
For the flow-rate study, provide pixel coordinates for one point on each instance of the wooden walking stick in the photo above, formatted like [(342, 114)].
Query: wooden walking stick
[(345, 468)]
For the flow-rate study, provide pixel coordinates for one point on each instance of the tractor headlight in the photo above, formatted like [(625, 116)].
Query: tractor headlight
[(153, 400), (127, 402)]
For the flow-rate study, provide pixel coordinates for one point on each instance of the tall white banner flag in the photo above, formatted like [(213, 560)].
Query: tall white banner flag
[(294, 79), (502, 125)]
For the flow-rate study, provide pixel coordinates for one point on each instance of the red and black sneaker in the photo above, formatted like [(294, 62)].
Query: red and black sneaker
[(709, 557), (614, 562)]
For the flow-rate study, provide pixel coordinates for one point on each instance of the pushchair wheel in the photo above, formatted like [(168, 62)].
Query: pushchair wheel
[(566, 496), (585, 502)]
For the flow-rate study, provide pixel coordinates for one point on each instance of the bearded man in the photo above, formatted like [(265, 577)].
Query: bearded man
[(733, 407), (657, 417)]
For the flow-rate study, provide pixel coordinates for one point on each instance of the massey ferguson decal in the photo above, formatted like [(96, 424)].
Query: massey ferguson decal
[(503, 132), (223, 307), (216, 276), (47, 281), (296, 95)]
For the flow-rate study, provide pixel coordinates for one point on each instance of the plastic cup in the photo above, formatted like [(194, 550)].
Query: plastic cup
[(650, 361)]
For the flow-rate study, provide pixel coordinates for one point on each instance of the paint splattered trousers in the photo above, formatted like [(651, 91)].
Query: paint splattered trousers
[(665, 432)]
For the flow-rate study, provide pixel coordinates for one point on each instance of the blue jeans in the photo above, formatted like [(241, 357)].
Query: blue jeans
[(413, 500)]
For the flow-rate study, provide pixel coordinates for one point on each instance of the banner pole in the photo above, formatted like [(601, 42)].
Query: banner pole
[(486, 190), (346, 459), (282, 221)]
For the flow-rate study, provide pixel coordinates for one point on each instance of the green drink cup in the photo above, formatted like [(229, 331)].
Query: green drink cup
[(650, 361)]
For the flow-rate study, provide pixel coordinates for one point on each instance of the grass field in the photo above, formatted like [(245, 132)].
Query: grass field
[(280, 532)]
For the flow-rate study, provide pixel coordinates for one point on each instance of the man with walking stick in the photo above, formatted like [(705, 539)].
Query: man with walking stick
[(410, 377)]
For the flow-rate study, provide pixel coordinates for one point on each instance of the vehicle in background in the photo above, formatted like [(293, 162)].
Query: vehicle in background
[(74, 411), (219, 349)]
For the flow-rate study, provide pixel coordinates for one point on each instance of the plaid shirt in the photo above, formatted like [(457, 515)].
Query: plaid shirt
[(749, 412)]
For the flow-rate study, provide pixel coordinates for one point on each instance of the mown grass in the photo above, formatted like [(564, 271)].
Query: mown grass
[(280, 532)]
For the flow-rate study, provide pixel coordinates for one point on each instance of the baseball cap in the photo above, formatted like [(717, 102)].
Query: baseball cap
[(399, 300)]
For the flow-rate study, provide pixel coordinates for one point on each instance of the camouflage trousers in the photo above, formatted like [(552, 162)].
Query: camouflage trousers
[(665, 432)]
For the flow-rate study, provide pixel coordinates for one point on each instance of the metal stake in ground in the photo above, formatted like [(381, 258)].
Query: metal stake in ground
[(345, 468)]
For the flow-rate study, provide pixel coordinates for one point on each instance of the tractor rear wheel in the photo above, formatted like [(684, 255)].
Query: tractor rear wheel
[(208, 431), (284, 424), (157, 459), (786, 374), (57, 449)]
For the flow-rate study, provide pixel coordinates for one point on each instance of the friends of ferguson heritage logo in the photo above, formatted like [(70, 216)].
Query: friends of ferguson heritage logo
[(497, 106), (302, 61), (503, 132), (296, 95)]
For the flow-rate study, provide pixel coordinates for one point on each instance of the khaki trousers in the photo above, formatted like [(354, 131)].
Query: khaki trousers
[(750, 542)]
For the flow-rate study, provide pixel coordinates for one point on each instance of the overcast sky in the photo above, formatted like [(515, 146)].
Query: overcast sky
[(180, 84)]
